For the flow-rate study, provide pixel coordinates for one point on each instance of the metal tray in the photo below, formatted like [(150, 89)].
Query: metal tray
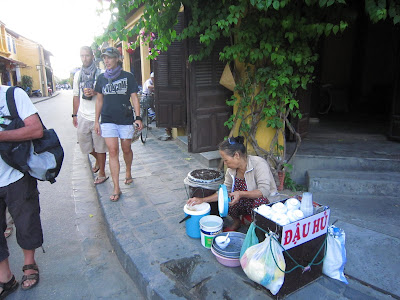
[(234, 247)]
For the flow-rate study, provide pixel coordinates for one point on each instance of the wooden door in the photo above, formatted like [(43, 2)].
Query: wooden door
[(169, 88), (394, 129), (208, 110)]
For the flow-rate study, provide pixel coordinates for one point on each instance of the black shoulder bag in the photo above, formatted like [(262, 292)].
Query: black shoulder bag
[(41, 158)]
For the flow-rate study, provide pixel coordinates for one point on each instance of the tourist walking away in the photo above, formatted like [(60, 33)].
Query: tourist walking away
[(148, 92), (19, 193), (116, 104), (248, 178), (83, 113), (148, 86)]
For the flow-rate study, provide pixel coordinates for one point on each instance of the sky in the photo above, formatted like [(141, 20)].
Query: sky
[(61, 26)]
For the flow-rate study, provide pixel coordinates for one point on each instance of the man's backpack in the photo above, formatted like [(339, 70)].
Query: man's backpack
[(41, 158)]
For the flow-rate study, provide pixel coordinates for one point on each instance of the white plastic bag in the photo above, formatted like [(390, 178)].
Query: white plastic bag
[(335, 257), (260, 266)]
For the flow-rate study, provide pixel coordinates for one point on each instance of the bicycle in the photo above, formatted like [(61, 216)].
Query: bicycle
[(145, 104)]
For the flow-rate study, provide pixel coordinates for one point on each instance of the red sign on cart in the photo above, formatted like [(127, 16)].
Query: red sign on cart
[(305, 230)]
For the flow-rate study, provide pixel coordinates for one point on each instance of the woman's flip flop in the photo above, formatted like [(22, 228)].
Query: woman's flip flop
[(115, 197), (128, 180), (100, 179)]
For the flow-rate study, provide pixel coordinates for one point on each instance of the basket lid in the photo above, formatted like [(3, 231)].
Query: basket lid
[(205, 176)]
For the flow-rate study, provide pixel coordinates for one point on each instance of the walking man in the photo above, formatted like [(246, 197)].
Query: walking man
[(19, 193), (116, 99), (83, 113)]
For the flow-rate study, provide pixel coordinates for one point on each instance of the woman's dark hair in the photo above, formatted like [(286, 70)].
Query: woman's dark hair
[(232, 145)]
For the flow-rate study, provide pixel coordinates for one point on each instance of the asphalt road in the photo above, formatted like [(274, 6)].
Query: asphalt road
[(79, 262)]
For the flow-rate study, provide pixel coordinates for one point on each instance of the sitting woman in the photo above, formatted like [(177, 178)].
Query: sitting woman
[(248, 177)]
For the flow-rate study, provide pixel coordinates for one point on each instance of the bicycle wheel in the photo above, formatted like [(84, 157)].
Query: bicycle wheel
[(325, 103), (145, 122)]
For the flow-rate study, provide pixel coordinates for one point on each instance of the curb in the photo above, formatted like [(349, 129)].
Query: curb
[(45, 98)]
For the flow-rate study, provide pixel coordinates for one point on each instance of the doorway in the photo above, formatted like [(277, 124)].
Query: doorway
[(356, 91)]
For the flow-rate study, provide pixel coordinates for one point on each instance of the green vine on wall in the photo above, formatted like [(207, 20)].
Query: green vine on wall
[(276, 41)]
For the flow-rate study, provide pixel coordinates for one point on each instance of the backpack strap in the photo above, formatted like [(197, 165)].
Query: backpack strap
[(12, 107), (11, 102)]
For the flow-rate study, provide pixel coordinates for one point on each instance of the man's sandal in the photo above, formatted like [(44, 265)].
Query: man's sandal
[(8, 287), (34, 276)]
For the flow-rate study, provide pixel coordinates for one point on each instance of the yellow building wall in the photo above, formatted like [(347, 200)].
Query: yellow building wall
[(28, 53), (264, 134), (144, 53)]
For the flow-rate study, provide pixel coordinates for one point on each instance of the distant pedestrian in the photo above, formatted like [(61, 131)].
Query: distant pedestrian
[(148, 91), (148, 95), (116, 101), (19, 193), (83, 113)]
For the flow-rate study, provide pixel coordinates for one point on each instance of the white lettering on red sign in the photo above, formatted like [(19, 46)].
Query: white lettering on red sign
[(305, 230)]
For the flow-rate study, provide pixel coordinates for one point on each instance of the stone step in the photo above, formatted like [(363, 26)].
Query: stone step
[(302, 163), (211, 158), (370, 222), (354, 182), (372, 212)]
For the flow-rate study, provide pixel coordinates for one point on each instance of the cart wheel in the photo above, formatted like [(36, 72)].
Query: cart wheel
[(145, 122)]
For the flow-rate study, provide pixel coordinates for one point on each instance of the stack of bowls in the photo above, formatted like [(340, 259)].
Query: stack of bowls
[(230, 256)]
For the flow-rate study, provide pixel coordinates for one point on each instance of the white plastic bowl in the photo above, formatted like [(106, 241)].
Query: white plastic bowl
[(220, 241)]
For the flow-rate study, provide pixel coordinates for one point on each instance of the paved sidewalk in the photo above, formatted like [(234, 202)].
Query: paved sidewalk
[(143, 227)]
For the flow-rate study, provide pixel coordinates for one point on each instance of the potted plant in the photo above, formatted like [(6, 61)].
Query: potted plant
[(26, 84)]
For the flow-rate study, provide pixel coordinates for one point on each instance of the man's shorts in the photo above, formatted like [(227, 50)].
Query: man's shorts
[(88, 139), (22, 200), (109, 130)]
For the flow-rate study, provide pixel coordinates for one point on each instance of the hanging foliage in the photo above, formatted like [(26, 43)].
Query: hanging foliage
[(274, 39)]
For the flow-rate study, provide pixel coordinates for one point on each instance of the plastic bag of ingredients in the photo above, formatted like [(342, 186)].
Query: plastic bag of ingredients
[(260, 263), (335, 257), (251, 239)]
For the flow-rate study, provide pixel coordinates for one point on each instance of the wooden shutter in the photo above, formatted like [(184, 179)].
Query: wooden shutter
[(207, 100), (169, 72)]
